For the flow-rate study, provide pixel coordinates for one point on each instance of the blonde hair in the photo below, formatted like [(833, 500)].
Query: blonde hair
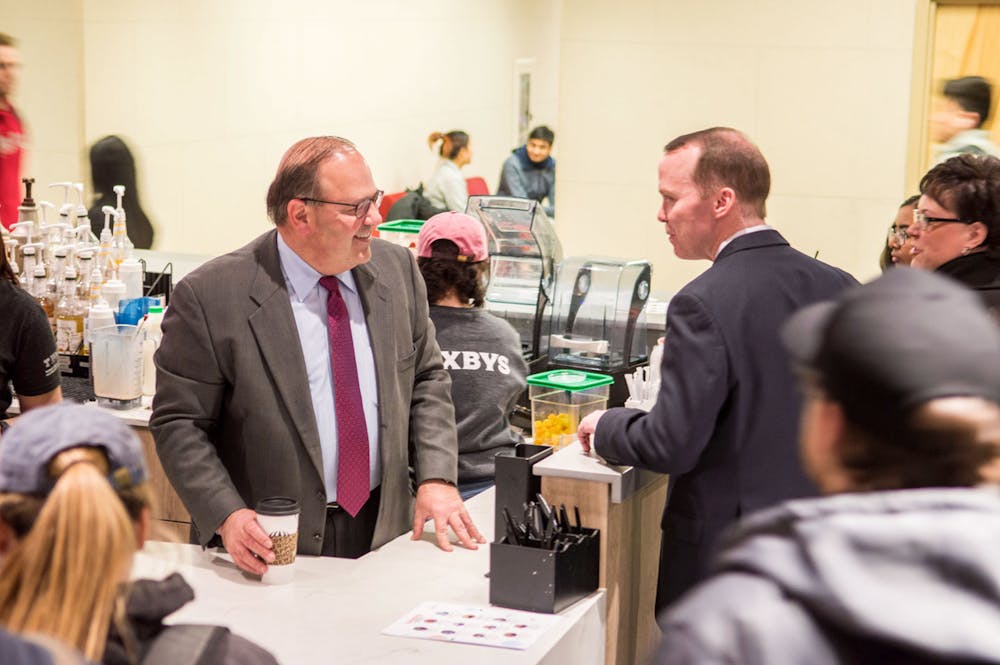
[(64, 577)]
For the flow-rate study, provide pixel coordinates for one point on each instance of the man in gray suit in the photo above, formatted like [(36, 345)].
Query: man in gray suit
[(248, 407)]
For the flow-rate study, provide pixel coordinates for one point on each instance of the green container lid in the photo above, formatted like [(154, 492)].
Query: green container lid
[(402, 226), (569, 379)]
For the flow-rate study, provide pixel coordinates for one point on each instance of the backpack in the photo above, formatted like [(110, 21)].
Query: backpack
[(187, 644), (412, 205)]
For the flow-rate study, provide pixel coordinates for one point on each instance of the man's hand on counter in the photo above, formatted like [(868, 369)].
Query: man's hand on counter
[(440, 501), (246, 541), (585, 430)]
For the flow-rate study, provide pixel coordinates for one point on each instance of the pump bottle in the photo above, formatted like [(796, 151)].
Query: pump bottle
[(105, 260), (41, 294), (120, 235), (69, 317)]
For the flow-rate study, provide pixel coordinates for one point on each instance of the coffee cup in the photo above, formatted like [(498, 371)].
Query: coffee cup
[(279, 517)]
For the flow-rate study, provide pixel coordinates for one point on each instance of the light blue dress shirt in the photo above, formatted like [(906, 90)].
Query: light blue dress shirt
[(308, 300)]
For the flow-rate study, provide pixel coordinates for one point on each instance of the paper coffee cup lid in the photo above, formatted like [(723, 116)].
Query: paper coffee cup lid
[(278, 505)]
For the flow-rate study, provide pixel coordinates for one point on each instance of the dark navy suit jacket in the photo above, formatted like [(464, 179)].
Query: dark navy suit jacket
[(725, 423)]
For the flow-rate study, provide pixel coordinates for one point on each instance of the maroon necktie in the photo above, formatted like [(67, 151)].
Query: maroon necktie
[(352, 432)]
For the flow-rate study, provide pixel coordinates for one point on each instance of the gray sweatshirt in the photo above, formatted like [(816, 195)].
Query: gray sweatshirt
[(880, 577), (482, 353)]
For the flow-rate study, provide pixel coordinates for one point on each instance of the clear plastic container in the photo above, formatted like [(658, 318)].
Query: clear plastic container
[(402, 232), (116, 366), (560, 399), (524, 251), (598, 314)]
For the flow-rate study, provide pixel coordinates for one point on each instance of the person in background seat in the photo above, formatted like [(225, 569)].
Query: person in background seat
[(446, 189), (530, 171)]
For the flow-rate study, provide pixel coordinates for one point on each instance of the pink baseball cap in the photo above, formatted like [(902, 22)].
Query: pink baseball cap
[(465, 231)]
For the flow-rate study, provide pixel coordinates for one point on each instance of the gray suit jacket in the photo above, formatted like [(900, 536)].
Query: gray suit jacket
[(232, 416)]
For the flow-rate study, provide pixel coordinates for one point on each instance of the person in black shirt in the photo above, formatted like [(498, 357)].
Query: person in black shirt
[(28, 356)]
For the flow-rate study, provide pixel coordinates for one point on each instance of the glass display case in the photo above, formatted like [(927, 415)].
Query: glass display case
[(598, 317), (524, 252)]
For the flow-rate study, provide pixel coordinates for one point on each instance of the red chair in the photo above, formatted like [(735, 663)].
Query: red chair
[(477, 186)]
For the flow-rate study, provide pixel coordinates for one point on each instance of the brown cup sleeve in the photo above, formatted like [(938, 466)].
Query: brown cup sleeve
[(285, 546)]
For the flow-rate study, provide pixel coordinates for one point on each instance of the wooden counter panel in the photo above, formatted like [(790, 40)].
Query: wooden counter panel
[(630, 559), (168, 505)]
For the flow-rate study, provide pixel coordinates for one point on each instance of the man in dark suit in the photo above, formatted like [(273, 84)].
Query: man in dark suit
[(725, 420), (251, 377)]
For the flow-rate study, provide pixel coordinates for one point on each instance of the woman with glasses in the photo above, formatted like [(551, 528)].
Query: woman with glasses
[(446, 189), (956, 226), (898, 243)]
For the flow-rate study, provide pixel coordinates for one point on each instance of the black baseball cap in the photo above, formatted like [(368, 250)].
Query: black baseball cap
[(905, 338)]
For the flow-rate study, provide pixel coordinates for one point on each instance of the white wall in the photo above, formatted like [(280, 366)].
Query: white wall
[(50, 40), (210, 94), (822, 87)]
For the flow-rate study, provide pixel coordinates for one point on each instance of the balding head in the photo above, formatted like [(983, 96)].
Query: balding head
[(297, 172), (729, 159)]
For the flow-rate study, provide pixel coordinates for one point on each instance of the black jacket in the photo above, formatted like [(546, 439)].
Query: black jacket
[(149, 603), (980, 272), (725, 422)]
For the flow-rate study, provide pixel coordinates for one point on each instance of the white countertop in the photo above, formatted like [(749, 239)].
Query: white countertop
[(335, 609), (136, 417)]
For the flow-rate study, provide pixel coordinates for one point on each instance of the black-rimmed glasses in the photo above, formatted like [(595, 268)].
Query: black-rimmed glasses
[(921, 220), (361, 208)]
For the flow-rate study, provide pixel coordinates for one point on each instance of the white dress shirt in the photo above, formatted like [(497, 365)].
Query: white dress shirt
[(742, 232), (308, 300)]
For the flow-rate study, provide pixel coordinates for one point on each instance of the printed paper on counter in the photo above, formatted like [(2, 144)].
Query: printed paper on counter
[(473, 624)]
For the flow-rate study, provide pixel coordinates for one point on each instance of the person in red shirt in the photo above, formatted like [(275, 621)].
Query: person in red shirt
[(12, 136)]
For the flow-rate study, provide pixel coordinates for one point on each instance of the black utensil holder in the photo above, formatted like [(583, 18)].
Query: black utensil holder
[(542, 580), (516, 484)]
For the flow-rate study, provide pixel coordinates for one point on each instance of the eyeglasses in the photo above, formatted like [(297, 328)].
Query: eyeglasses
[(921, 220), (360, 209), (898, 234)]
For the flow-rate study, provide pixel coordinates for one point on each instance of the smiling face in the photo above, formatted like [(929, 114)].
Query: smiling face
[(538, 150), (686, 213), (330, 237)]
